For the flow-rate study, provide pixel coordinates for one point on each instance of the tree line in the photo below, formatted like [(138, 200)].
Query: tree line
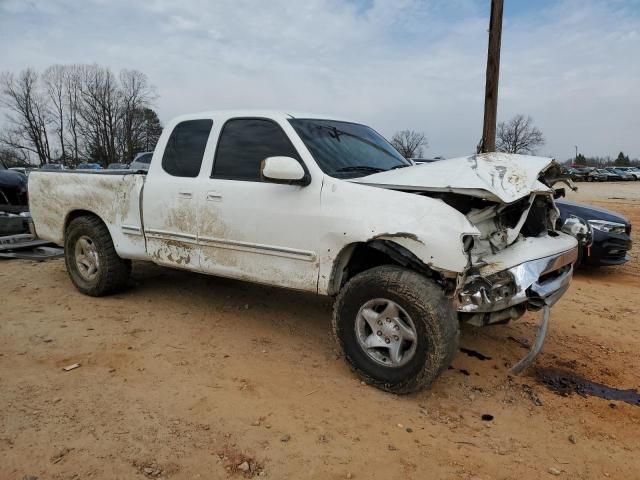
[(620, 160), (71, 114), (517, 135)]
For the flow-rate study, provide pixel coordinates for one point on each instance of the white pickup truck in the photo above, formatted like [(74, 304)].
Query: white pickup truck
[(326, 206)]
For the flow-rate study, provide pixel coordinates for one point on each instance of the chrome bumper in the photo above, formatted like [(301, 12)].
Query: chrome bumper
[(538, 282)]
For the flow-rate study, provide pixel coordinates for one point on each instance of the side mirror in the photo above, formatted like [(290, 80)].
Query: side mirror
[(283, 169)]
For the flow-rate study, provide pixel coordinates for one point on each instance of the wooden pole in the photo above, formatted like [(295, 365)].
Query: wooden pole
[(493, 74)]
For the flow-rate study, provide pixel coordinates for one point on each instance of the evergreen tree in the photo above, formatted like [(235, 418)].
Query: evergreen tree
[(622, 160)]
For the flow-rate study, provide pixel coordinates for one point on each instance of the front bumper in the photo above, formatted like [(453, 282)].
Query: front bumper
[(505, 295), (607, 248)]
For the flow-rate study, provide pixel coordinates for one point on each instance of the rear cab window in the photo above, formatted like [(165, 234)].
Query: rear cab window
[(184, 151)]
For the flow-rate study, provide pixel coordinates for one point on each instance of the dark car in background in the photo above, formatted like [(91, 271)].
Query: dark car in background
[(610, 176), (53, 166), (595, 175), (620, 173), (24, 170), (13, 190), (633, 171), (89, 166), (576, 174), (117, 166), (604, 236)]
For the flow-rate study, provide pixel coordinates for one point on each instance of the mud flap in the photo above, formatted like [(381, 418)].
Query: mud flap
[(528, 359)]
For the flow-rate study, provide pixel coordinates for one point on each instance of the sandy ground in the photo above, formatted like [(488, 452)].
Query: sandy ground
[(186, 376)]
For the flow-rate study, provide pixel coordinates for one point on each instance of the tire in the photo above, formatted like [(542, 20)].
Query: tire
[(422, 307), (91, 259)]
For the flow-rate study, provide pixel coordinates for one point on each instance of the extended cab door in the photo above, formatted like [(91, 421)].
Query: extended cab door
[(170, 202), (252, 228)]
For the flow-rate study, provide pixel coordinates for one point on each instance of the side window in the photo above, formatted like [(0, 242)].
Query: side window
[(244, 143), (183, 154)]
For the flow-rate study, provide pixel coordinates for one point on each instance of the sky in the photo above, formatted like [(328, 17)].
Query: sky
[(572, 65)]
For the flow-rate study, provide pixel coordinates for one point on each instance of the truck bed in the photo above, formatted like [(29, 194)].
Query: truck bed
[(57, 196)]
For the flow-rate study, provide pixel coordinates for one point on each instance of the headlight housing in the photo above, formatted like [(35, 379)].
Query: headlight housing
[(607, 226), (578, 228), (482, 291)]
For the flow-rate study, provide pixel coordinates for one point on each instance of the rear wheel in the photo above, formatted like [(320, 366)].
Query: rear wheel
[(396, 328), (91, 259)]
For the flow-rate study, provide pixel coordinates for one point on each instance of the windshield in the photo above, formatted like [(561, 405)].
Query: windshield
[(347, 150), (145, 158)]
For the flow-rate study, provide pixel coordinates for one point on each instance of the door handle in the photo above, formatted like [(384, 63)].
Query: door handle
[(214, 196), (184, 195)]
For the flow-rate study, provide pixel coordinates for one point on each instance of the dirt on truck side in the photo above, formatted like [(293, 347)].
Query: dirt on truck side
[(187, 376)]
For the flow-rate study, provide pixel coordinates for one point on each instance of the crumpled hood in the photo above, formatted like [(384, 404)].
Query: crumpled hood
[(500, 177)]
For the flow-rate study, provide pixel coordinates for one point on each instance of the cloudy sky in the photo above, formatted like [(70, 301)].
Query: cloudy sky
[(573, 65)]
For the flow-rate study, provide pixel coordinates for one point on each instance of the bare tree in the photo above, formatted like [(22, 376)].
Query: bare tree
[(89, 111), (519, 135), (28, 114), (73, 101), (14, 157), (54, 83), (409, 143), (100, 113), (136, 93)]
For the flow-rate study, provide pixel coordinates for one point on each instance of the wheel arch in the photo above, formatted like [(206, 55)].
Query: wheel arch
[(73, 214), (360, 256)]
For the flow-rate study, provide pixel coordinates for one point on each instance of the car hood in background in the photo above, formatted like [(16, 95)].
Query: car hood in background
[(499, 177), (589, 212), (12, 179)]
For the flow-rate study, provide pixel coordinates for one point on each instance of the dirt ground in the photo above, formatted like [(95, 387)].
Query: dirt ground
[(186, 376)]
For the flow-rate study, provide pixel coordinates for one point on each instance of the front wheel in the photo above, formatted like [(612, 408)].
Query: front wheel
[(91, 259), (396, 328)]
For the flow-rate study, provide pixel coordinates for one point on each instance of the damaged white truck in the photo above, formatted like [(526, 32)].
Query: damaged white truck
[(330, 207)]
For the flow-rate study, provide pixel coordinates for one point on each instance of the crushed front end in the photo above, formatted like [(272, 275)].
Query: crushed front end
[(519, 262), (523, 277), (517, 257)]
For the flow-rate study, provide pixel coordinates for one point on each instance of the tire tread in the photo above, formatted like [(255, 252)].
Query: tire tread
[(116, 271), (427, 296)]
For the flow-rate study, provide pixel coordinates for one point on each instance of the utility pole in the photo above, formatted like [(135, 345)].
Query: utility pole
[(576, 160), (493, 73)]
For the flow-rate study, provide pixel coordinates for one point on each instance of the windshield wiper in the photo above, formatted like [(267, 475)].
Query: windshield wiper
[(402, 165), (360, 168)]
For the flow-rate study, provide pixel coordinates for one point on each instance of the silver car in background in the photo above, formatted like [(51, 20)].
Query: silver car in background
[(141, 161)]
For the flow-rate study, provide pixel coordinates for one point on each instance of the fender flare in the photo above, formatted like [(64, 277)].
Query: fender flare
[(399, 254)]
